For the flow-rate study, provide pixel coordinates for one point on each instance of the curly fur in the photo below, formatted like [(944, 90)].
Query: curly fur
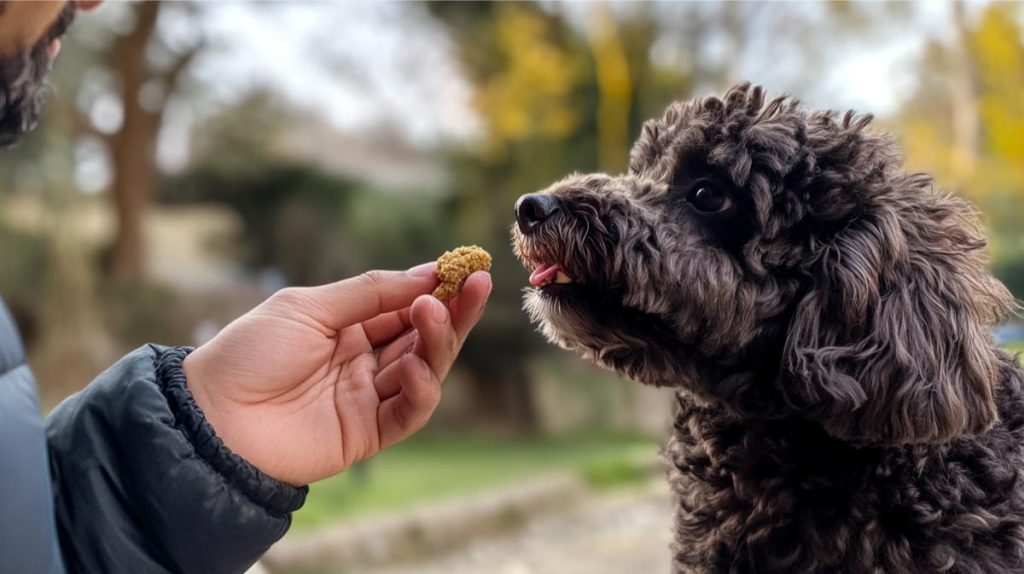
[(842, 406)]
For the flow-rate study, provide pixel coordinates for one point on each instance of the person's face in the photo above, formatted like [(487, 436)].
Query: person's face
[(30, 34)]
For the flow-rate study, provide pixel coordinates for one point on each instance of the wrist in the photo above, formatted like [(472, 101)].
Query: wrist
[(278, 497), (198, 384), (225, 418), (191, 365)]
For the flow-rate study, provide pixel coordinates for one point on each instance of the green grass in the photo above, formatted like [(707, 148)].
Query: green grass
[(434, 467), (430, 468), (1015, 347)]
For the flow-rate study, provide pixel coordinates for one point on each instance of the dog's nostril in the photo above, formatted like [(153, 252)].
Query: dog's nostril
[(533, 208)]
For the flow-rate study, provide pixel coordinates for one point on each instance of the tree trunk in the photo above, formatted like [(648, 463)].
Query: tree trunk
[(502, 398), (963, 91), (614, 88), (133, 150)]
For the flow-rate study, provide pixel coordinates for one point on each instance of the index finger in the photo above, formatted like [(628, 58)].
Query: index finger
[(384, 328), (366, 296)]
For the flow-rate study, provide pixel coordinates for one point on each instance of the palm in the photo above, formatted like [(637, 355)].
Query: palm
[(307, 399)]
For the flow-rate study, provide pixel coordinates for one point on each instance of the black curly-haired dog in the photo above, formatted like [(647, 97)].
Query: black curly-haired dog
[(826, 319)]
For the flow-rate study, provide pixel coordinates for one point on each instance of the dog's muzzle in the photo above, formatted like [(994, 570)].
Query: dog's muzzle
[(534, 209)]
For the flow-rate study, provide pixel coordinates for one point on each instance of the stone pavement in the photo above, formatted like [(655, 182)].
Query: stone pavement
[(622, 532)]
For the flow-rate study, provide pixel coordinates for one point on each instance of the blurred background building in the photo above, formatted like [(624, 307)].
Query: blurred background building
[(196, 157)]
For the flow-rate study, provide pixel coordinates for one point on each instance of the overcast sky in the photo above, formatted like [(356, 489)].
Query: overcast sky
[(358, 64), (362, 64)]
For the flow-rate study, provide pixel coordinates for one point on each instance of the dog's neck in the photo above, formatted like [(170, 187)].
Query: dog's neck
[(747, 389), (746, 406)]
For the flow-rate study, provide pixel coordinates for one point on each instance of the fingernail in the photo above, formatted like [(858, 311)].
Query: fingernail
[(490, 287), (422, 270), (440, 312)]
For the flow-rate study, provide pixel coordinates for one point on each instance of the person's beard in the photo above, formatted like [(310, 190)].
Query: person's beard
[(23, 82)]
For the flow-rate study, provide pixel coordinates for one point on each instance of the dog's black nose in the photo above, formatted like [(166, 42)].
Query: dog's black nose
[(533, 208)]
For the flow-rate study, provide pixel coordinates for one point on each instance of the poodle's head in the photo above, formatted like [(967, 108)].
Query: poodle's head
[(776, 261)]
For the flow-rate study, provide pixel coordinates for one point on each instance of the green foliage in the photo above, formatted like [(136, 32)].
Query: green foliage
[(396, 230), (618, 472), (1011, 272), (432, 467), (236, 143), (970, 138), (532, 141), (22, 276), (290, 216), (1008, 261), (142, 313), (23, 265), (997, 45), (312, 226), (315, 227)]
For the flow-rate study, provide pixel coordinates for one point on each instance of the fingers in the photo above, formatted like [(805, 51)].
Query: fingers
[(408, 411), (438, 334), (410, 386), (468, 307), (442, 330), (437, 342), (392, 352), (383, 329), (344, 303)]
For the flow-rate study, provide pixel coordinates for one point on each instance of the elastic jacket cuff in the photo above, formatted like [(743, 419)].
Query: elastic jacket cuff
[(278, 498)]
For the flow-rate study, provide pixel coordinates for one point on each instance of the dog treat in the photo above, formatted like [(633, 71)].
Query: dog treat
[(453, 267)]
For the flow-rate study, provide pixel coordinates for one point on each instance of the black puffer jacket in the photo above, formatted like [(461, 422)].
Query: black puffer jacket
[(135, 480)]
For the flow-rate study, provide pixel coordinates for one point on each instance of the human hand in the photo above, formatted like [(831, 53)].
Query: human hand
[(317, 378)]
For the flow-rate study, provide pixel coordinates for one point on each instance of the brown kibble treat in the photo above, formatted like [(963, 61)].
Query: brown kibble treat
[(453, 267)]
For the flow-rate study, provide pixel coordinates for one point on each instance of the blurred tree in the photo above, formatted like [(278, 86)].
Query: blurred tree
[(133, 146), (529, 71), (998, 45), (964, 121), (558, 94), (311, 226), (290, 216), (553, 99), (22, 271), (49, 274), (532, 94), (147, 67), (615, 89), (964, 87), (970, 136), (290, 212)]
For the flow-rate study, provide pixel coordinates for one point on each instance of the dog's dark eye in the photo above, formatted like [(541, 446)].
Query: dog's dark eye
[(707, 198)]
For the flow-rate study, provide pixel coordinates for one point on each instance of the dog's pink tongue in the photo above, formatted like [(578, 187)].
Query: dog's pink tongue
[(542, 274)]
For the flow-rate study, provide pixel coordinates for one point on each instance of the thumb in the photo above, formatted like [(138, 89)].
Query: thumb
[(338, 305)]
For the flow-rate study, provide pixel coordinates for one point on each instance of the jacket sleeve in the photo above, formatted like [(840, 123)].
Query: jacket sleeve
[(142, 483)]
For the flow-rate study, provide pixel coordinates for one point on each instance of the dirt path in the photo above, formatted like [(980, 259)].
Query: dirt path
[(615, 534)]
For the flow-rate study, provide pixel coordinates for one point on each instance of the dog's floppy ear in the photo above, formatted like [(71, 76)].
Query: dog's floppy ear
[(892, 345)]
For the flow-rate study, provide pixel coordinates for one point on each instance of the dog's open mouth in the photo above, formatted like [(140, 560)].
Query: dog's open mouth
[(549, 274)]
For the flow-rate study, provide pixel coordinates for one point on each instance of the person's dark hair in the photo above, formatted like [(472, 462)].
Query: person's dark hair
[(23, 81)]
